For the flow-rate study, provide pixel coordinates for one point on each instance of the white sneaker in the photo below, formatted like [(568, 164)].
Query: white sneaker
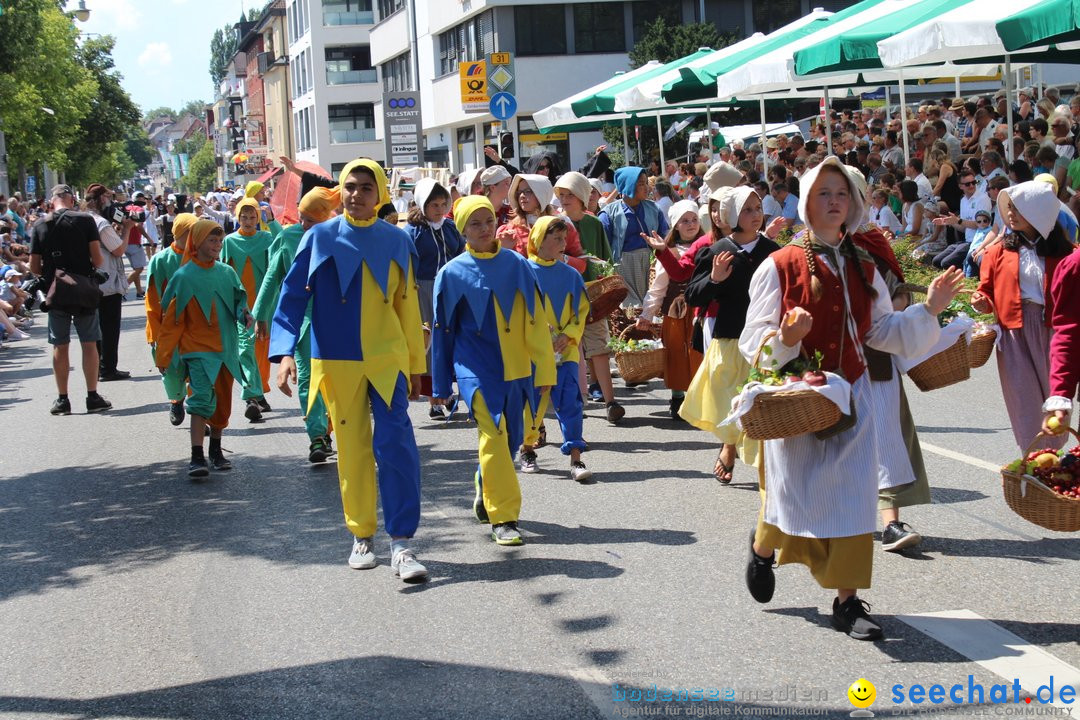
[(528, 462), (579, 472), (407, 567), (362, 557)]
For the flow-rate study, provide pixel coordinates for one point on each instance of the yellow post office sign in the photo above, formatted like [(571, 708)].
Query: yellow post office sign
[(474, 90)]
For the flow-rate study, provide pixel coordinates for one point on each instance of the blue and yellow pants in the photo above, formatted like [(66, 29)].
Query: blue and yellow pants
[(565, 397), (498, 444), (353, 405)]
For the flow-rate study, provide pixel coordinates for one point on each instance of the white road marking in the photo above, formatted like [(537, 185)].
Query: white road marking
[(1001, 652), (953, 455)]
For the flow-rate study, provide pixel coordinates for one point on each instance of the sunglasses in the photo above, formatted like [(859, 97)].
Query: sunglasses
[(982, 221), (967, 184)]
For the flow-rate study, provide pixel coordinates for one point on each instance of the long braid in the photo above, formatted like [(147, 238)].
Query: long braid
[(816, 289)]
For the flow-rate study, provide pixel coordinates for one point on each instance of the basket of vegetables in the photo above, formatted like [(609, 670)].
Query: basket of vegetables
[(1043, 487), (786, 413), (606, 293), (638, 360)]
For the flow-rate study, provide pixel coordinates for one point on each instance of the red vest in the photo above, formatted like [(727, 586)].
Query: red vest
[(828, 313)]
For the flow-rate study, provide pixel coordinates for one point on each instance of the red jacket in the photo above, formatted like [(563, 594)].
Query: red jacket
[(999, 280), (1065, 343)]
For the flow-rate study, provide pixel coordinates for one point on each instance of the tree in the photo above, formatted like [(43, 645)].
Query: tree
[(202, 170), (138, 148), (194, 107), (46, 92), (222, 48), (159, 112), (666, 42), (112, 113)]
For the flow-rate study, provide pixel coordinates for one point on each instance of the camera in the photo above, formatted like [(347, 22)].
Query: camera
[(118, 212), (100, 276), (37, 295)]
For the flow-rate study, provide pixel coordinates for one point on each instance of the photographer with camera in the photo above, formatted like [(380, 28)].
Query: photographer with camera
[(65, 250), (113, 224)]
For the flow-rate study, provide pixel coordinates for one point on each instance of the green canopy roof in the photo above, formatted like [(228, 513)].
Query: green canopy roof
[(1051, 21), (700, 83), (603, 102), (857, 49)]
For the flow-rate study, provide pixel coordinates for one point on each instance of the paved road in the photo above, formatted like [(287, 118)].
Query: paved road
[(127, 591)]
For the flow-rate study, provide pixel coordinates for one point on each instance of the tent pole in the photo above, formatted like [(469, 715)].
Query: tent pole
[(828, 125), (1009, 105), (764, 150), (660, 137), (625, 144), (957, 86), (903, 115), (708, 132)]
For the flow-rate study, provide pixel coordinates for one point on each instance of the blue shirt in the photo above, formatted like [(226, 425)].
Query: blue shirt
[(790, 210), (635, 225)]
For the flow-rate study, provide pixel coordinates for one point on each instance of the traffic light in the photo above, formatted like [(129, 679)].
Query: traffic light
[(506, 145)]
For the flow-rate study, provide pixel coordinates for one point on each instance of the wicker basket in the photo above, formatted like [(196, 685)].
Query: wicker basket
[(787, 413), (641, 365), (605, 296), (1032, 500), (948, 367), (981, 348)]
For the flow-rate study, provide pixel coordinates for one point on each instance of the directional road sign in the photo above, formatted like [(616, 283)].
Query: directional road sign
[(503, 105)]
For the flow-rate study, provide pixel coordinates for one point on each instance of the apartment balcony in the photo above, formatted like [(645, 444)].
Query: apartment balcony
[(351, 135), (362, 17), (351, 77)]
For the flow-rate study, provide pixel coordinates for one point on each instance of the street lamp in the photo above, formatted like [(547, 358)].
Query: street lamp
[(82, 13)]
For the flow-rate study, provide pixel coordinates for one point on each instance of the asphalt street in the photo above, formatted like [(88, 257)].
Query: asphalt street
[(127, 591)]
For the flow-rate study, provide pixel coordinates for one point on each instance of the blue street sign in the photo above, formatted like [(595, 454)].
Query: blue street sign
[(31, 185), (503, 105)]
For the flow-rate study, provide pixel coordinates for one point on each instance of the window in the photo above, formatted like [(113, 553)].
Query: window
[(599, 28), (397, 73), (541, 30), (351, 123), (389, 7), (471, 40), (348, 65), (302, 121), (729, 16), (532, 142), (772, 14), (290, 21), (347, 12), (646, 13), (305, 17)]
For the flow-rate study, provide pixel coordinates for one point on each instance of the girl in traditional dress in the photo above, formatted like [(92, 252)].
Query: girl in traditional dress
[(824, 294)]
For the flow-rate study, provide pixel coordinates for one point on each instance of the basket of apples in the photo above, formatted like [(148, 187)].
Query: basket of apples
[(789, 407), (1043, 487)]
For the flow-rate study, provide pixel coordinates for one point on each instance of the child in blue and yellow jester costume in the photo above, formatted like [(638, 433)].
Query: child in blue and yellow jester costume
[(248, 252), (490, 330), (315, 207), (566, 306), (367, 353), (162, 267), (205, 305)]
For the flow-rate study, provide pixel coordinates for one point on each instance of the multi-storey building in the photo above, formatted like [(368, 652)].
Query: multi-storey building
[(334, 86)]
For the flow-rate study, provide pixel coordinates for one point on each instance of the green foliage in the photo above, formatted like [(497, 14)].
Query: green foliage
[(194, 107), (159, 112), (191, 146), (665, 41), (222, 48), (137, 146), (44, 73), (202, 170)]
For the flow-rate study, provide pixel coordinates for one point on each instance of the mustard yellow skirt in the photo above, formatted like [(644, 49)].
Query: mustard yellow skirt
[(708, 398), (846, 562)]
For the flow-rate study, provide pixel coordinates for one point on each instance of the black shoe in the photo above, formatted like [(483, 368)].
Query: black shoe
[(673, 408), (114, 375), (760, 579), (219, 462), (263, 405), (615, 412), (318, 451), (198, 469), (176, 413), (95, 404), (253, 412), (851, 618), (897, 536), (60, 406), (436, 412)]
